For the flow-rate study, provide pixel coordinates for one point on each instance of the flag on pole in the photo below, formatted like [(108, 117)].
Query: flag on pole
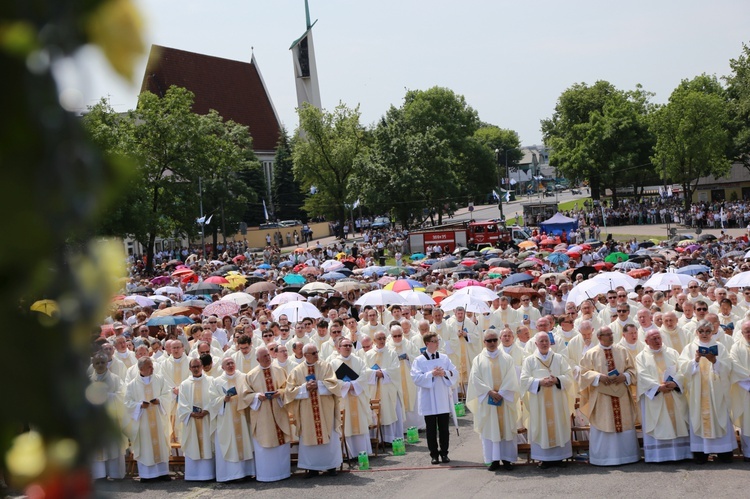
[(669, 191), (356, 203), (507, 196), (265, 211), (495, 194), (209, 220), (201, 220)]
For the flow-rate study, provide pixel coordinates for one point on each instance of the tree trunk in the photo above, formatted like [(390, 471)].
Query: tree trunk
[(687, 195), (595, 187), (150, 253)]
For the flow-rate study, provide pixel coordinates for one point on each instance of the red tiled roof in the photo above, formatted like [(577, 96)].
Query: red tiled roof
[(232, 88)]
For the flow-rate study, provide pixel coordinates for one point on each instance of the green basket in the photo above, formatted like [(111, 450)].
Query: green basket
[(460, 409)]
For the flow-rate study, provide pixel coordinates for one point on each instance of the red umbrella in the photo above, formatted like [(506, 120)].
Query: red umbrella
[(573, 254), (499, 270), (639, 273), (182, 272), (238, 258), (310, 271), (216, 279), (469, 262), (192, 277)]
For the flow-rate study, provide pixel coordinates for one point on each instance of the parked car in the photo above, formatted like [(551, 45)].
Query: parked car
[(560, 187), (290, 223), (270, 225), (381, 223)]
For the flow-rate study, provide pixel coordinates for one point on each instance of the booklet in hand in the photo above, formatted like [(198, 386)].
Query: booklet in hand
[(343, 372), (310, 377), (613, 372), (403, 356), (492, 402), (197, 409), (375, 367), (232, 391), (551, 338), (713, 349), (423, 350)]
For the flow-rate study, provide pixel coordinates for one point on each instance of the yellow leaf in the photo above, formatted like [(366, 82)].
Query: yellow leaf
[(116, 28), (18, 38)]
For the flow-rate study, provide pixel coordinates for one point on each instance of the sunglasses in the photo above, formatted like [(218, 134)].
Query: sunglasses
[(701, 309), (491, 340), (693, 287), (397, 336), (268, 336)]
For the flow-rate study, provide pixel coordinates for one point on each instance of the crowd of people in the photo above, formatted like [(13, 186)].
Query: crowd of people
[(543, 365)]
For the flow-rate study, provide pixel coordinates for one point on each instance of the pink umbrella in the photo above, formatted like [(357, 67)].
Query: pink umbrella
[(215, 279), (535, 260), (385, 280), (161, 280), (466, 282), (221, 308)]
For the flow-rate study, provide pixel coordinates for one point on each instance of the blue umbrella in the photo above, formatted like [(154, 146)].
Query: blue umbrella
[(417, 256), (285, 263), (693, 269), (558, 258), (294, 279), (516, 279), (170, 320), (264, 266), (333, 276), (369, 271)]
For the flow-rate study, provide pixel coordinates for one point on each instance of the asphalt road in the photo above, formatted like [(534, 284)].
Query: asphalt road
[(412, 476)]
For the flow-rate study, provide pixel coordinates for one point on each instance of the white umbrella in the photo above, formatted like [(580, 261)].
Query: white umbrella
[(159, 298), (317, 287), (739, 281), (469, 303), (587, 290), (296, 311), (614, 279), (665, 281), (379, 297), (287, 297), (169, 290), (141, 300), (478, 292), (417, 298), (331, 265), (240, 299)]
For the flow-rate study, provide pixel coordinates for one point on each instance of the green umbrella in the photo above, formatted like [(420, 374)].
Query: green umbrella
[(616, 257)]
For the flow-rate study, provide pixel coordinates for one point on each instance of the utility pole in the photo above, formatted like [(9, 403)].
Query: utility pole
[(202, 218), (499, 183)]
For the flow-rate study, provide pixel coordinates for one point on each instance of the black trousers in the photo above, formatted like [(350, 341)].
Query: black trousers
[(438, 425)]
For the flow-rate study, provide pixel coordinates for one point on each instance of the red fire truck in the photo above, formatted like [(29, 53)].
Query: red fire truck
[(472, 235)]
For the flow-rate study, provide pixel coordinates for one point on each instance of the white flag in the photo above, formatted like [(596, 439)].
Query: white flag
[(265, 211), (494, 193), (669, 191), (200, 220), (209, 220), (356, 203), (507, 196)]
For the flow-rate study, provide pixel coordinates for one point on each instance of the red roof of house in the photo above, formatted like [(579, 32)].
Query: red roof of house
[(233, 88)]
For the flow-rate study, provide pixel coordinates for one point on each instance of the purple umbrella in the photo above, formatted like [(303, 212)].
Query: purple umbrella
[(161, 280), (693, 247)]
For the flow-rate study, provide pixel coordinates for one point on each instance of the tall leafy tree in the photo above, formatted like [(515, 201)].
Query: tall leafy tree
[(326, 155), (506, 142), (600, 134), (287, 193), (169, 148), (425, 156), (738, 93), (691, 138)]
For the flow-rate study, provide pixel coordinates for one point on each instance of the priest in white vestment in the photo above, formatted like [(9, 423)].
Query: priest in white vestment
[(313, 393), (607, 371), (109, 460), (740, 391), (707, 369), (491, 396), (384, 378), (547, 382), (233, 448), (269, 419), (196, 415), (244, 358), (406, 352), (355, 398), (147, 401), (664, 409)]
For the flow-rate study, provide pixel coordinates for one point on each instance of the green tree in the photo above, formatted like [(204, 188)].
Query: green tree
[(738, 93), (287, 193), (168, 148), (326, 149), (600, 134), (691, 138), (425, 157), (506, 142)]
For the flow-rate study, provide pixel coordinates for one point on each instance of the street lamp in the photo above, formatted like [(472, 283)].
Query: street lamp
[(499, 184)]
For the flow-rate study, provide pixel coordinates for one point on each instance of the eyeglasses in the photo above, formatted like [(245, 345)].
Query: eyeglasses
[(284, 330), (311, 353), (622, 311), (264, 323), (650, 291), (693, 287), (268, 335), (273, 349), (212, 322), (611, 298), (491, 340), (526, 299), (397, 336), (705, 331), (701, 309), (346, 346)]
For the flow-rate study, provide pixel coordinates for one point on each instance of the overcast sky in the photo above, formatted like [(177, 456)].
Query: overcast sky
[(510, 59)]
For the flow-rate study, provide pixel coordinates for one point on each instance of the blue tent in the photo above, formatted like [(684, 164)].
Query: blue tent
[(559, 223)]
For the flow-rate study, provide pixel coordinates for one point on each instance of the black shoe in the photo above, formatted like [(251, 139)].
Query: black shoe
[(726, 457), (544, 465), (311, 473), (700, 458), (446, 459), (494, 466), (435, 460), (507, 465), (163, 478), (332, 472), (561, 464)]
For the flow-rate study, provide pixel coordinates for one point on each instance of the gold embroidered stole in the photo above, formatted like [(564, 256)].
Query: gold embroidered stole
[(668, 397), (405, 371), (198, 399), (462, 367), (616, 410), (236, 422), (705, 370), (153, 424), (315, 403), (353, 403), (548, 397), (271, 388), (674, 338), (377, 360), (497, 381)]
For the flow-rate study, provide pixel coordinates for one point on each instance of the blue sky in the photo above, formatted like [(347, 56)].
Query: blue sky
[(510, 60)]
